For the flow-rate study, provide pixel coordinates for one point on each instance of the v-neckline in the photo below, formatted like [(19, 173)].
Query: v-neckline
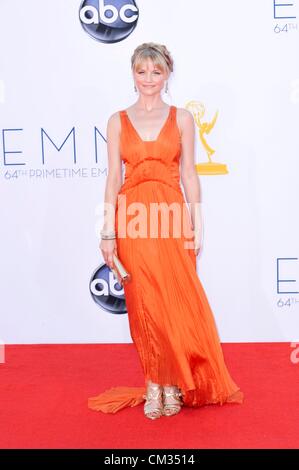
[(161, 130)]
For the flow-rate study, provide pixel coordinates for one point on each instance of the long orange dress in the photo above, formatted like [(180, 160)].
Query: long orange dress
[(170, 319)]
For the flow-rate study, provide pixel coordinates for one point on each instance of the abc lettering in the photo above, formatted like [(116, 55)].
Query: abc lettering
[(101, 14)]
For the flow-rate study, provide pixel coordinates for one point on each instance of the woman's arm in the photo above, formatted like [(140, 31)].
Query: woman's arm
[(189, 176), (113, 184), (114, 178)]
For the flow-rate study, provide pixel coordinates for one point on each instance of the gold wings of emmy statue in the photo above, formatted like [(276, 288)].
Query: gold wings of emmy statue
[(210, 167)]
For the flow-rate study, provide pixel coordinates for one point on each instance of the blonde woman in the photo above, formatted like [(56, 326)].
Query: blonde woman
[(170, 319)]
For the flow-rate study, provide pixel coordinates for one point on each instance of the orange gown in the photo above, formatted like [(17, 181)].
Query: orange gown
[(170, 319)]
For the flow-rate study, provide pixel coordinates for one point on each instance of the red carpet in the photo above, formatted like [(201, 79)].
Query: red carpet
[(44, 391)]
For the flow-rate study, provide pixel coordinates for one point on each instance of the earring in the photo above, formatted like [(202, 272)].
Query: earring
[(166, 87), (135, 89)]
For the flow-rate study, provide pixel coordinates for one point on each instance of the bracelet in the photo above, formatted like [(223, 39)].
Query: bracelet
[(108, 235)]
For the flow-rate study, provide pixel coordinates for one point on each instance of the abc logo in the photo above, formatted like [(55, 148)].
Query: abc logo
[(110, 21), (106, 291)]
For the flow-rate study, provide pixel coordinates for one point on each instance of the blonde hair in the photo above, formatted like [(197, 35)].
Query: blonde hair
[(159, 54)]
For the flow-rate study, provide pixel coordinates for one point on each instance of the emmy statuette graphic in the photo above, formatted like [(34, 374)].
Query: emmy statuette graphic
[(210, 167)]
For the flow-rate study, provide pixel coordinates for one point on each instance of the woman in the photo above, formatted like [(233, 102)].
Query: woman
[(171, 322)]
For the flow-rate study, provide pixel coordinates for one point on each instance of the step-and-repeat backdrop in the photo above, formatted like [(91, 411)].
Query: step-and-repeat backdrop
[(64, 69)]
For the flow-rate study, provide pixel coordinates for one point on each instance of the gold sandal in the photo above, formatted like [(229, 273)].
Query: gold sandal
[(153, 407), (172, 400)]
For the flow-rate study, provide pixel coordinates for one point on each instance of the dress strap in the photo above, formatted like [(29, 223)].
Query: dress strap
[(172, 114), (123, 121), (122, 114)]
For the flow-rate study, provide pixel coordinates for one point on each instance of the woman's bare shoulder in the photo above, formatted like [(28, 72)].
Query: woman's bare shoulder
[(113, 121), (184, 114), (184, 118)]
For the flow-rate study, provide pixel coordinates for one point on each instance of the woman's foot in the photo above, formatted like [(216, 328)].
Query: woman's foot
[(172, 400), (153, 407)]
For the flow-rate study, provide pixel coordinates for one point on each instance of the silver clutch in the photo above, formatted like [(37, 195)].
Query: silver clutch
[(119, 270)]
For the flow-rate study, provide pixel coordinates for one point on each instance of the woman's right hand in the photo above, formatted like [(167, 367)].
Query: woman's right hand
[(108, 247)]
